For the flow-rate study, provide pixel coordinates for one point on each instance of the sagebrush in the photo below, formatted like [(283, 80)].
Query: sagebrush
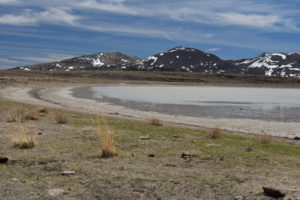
[(214, 133), (61, 119), (106, 139), (155, 122), (17, 115), (24, 139)]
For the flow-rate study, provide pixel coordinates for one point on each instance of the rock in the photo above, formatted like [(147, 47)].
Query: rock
[(209, 157), (151, 155), (249, 149), (296, 138), (67, 173), (186, 155), (170, 165), (15, 180), (144, 138), (3, 160), (55, 192), (271, 192), (212, 145), (175, 137), (238, 198), (84, 182)]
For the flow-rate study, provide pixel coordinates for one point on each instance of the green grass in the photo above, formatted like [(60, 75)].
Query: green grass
[(216, 168)]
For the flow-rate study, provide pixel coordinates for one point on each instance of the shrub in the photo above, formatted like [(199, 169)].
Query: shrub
[(24, 140), (214, 133), (31, 115), (17, 115), (61, 119), (155, 122), (266, 139), (106, 139), (43, 109)]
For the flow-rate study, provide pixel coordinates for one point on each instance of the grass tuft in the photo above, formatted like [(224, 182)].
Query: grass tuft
[(155, 122), (31, 115), (24, 140), (17, 115), (266, 139), (214, 133), (61, 119), (106, 139)]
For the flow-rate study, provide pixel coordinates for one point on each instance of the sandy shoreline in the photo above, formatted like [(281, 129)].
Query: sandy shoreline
[(60, 96)]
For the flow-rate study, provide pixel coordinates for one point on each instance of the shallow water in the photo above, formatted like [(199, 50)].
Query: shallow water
[(212, 102)]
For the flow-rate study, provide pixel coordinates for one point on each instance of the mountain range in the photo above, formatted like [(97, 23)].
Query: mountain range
[(180, 59)]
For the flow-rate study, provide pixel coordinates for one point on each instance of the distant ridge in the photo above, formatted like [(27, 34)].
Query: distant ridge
[(180, 59)]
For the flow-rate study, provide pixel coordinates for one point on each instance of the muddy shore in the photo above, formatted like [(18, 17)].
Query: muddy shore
[(61, 96)]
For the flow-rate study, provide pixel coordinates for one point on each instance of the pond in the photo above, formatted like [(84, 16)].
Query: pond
[(211, 102)]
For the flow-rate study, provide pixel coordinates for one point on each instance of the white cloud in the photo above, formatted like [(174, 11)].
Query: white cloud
[(213, 49), (29, 17), (249, 13), (58, 15), (8, 61), (254, 20), (109, 6), (17, 20), (47, 58), (9, 1)]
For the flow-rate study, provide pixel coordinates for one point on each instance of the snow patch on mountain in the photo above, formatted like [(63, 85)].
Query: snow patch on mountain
[(152, 58), (279, 54), (177, 49), (97, 63)]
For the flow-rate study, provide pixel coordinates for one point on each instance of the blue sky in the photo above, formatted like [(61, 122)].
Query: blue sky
[(35, 31)]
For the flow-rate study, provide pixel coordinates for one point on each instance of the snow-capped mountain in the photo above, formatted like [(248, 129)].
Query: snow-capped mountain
[(99, 61), (181, 59), (276, 64), (187, 60)]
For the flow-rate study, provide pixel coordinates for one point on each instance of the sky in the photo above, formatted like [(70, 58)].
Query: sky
[(37, 31)]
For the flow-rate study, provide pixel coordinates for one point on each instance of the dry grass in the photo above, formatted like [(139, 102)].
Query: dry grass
[(106, 139), (61, 119), (17, 115), (43, 109), (214, 133), (155, 122), (266, 139), (31, 115), (24, 140)]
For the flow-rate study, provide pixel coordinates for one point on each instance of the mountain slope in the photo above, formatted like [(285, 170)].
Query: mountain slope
[(99, 61), (276, 64), (181, 59), (187, 60)]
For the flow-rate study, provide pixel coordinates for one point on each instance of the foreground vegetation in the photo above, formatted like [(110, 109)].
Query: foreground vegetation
[(152, 162)]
